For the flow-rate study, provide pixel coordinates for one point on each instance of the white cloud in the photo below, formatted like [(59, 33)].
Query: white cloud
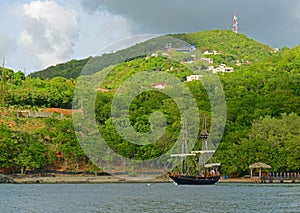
[(98, 30), (50, 31)]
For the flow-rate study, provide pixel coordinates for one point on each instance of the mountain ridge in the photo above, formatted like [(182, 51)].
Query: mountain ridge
[(234, 47)]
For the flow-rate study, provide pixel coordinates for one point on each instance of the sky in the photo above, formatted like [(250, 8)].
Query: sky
[(37, 34)]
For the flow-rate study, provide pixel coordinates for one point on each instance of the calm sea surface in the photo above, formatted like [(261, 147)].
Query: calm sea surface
[(160, 197)]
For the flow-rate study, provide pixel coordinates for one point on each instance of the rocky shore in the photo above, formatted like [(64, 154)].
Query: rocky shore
[(6, 179)]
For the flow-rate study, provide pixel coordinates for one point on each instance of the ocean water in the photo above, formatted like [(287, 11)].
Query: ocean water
[(158, 197)]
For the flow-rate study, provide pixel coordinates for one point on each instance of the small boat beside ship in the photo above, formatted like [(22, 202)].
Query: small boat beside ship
[(208, 173)]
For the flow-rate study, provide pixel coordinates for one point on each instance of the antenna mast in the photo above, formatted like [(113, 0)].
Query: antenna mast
[(235, 23)]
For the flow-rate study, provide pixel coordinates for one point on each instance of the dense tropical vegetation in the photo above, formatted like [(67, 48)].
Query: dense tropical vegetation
[(262, 96), (70, 69)]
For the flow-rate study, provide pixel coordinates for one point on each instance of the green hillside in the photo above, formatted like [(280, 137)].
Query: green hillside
[(254, 93), (262, 97), (70, 69), (231, 46)]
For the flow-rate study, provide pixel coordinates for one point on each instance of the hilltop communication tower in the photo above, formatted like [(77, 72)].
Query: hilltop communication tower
[(235, 23)]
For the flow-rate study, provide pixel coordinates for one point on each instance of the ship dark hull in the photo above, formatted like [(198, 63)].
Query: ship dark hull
[(193, 180)]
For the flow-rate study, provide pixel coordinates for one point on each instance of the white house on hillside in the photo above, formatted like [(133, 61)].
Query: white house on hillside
[(222, 68), (211, 52), (193, 78)]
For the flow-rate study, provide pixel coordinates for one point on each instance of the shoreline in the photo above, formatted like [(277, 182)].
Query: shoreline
[(89, 179), (73, 179), (112, 179)]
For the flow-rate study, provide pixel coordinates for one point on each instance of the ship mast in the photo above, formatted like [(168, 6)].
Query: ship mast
[(184, 144), (184, 149), (204, 136)]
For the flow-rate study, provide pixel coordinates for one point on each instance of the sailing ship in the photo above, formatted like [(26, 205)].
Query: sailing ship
[(208, 173)]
